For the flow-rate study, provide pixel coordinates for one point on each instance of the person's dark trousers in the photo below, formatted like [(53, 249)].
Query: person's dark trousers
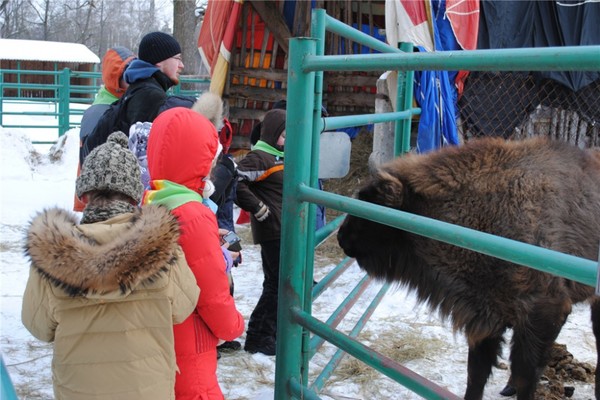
[(262, 326), (225, 211)]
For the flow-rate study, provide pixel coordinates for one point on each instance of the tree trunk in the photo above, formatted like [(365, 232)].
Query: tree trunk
[(185, 29)]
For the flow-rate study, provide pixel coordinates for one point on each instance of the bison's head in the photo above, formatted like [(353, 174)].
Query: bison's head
[(380, 250)]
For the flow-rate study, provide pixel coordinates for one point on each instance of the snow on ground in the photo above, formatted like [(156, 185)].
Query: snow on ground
[(31, 183)]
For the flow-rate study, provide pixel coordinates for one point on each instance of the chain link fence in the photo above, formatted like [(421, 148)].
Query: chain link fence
[(517, 105)]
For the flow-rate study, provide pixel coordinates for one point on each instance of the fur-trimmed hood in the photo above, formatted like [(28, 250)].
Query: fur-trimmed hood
[(111, 256)]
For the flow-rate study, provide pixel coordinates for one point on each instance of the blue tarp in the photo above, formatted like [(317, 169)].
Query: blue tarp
[(435, 91)]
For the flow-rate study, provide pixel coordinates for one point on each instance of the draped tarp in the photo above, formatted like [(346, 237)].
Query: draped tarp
[(463, 20), (435, 25), (494, 103), (407, 21), (518, 24), (216, 39)]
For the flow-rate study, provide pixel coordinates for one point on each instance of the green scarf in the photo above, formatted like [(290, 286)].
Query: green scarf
[(169, 194), (104, 97), (267, 148)]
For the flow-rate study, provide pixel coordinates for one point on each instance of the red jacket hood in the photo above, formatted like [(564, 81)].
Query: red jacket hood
[(181, 147)]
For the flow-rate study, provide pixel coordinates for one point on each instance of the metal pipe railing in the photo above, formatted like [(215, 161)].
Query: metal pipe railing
[(545, 260), (381, 363), (569, 58), (339, 354)]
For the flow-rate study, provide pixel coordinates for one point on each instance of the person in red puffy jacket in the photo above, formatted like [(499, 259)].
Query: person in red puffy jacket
[(182, 148)]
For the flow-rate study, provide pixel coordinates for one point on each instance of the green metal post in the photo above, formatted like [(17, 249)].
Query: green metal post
[(407, 101), (318, 33), (404, 101), (64, 95), (299, 123), (19, 93)]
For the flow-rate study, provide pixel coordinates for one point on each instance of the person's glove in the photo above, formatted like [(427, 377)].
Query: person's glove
[(228, 259), (262, 213)]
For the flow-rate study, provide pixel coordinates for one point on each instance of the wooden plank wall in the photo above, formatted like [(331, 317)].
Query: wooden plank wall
[(258, 73)]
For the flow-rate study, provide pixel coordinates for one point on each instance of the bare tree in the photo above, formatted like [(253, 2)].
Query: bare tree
[(84, 11), (8, 18), (42, 12), (99, 24), (185, 29)]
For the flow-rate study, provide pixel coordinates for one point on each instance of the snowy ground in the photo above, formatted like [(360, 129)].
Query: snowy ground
[(432, 350)]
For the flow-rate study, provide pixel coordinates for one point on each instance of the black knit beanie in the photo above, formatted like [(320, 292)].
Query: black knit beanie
[(158, 46), (111, 167)]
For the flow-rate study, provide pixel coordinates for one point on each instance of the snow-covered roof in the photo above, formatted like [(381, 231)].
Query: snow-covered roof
[(39, 50)]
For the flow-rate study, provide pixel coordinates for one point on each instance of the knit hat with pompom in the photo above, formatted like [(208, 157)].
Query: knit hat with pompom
[(111, 167)]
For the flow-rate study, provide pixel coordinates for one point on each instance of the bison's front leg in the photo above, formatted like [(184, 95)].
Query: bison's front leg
[(532, 340), (481, 358)]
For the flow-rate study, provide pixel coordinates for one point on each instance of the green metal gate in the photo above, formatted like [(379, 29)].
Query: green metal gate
[(65, 95), (304, 124)]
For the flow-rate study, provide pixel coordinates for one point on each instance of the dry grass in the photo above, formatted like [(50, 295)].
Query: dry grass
[(240, 362), (400, 347)]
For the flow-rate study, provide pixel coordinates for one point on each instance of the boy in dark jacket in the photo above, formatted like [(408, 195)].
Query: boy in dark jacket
[(260, 192)]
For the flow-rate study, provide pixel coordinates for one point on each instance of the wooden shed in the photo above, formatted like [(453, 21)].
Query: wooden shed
[(36, 55), (256, 74)]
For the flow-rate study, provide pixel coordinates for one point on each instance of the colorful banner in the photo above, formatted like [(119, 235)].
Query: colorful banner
[(216, 40)]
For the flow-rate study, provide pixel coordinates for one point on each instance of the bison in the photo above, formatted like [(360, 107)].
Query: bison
[(537, 191)]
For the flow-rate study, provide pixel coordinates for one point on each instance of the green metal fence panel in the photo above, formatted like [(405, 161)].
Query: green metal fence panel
[(303, 126), (65, 94), (337, 357)]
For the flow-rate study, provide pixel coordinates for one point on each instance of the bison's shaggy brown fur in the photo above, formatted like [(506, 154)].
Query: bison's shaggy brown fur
[(545, 193)]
